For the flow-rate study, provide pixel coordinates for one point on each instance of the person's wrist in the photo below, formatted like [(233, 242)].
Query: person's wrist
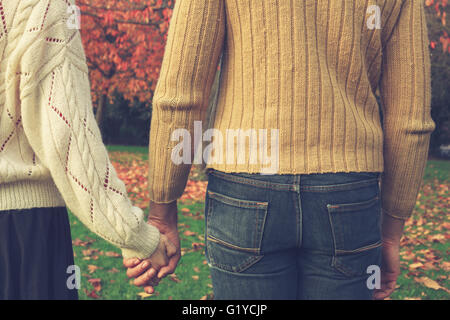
[(392, 230), (163, 213)]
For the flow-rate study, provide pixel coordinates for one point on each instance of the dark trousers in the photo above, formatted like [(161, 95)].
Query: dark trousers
[(35, 253), (314, 236)]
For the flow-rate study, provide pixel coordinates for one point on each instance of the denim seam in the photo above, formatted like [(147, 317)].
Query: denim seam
[(296, 200), (238, 202), (359, 250), (352, 206), (256, 233), (261, 230), (247, 263), (298, 211), (333, 235), (235, 270), (338, 187), (232, 246), (342, 268), (256, 183)]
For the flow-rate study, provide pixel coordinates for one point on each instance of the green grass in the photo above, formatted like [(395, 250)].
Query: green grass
[(437, 169), (192, 279)]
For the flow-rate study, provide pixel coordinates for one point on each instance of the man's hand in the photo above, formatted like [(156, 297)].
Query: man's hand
[(392, 230), (165, 218), (144, 271), (390, 270)]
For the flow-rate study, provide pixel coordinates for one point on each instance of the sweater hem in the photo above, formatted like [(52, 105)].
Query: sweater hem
[(288, 171), (29, 194)]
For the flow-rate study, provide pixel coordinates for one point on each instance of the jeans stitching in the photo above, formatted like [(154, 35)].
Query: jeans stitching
[(251, 261), (237, 202), (263, 226), (338, 187), (298, 212), (255, 183), (333, 235), (352, 206), (232, 246), (248, 262), (359, 250), (255, 237), (238, 269), (342, 268)]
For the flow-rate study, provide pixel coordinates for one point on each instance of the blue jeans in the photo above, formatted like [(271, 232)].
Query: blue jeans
[(308, 236)]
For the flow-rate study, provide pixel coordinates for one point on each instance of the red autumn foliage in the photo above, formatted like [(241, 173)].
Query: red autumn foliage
[(440, 7), (124, 43)]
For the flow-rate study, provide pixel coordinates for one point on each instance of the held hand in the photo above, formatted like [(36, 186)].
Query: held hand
[(165, 218), (144, 271), (165, 250)]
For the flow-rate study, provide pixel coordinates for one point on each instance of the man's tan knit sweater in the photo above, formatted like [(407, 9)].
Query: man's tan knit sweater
[(51, 151), (310, 70)]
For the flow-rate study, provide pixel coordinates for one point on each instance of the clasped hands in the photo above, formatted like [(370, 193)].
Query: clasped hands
[(148, 272)]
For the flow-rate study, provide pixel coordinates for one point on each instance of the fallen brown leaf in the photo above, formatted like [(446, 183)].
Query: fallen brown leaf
[(144, 295), (96, 283), (92, 294), (112, 254), (430, 283), (92, 268), (415, 265), (174, 278)]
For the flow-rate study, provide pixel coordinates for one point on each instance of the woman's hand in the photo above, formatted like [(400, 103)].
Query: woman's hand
[(144, 271)]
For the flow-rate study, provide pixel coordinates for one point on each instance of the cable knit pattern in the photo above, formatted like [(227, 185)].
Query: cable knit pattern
[(310, 69), (51, 151)]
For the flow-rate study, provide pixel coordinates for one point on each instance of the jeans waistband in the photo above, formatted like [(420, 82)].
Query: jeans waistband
[(316, 182)]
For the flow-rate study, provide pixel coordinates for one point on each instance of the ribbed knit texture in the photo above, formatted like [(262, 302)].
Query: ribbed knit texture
[(309, 69), (51, 151)]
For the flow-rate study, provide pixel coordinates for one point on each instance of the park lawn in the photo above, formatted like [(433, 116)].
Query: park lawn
[(425, 248)]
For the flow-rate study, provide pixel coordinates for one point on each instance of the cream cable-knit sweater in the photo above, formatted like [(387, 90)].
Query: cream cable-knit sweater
[(51, 151)]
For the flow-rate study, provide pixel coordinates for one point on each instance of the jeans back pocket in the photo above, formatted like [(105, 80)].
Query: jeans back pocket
[(234, 230), (356, 232)]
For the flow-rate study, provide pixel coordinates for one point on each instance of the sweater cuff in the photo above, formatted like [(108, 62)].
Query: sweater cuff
[(144, 243), (395, 216)]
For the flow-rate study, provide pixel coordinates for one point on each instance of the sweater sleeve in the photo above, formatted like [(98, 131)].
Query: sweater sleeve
[(195, 41), (406, 104), (58, 121)]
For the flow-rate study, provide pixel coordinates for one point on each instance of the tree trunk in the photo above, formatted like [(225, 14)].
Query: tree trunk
[(100, 111)]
